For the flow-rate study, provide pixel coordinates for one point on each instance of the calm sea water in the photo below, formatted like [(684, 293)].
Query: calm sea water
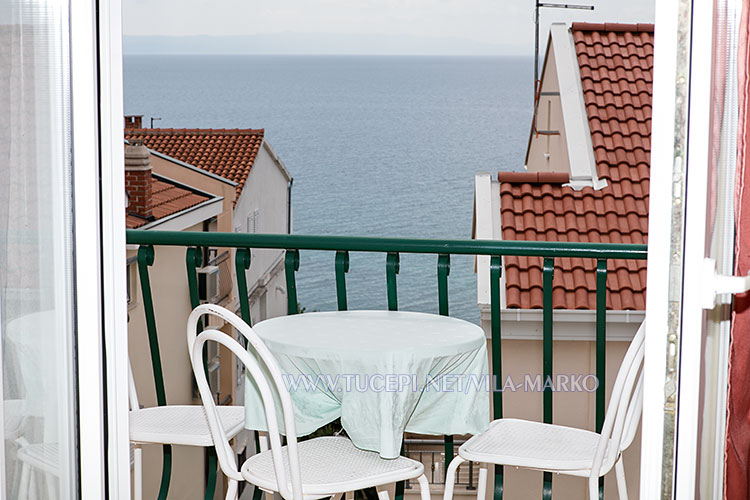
[(377, 146)]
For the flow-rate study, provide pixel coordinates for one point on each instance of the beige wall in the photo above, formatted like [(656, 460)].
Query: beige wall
[(172, 306), (266, 190), (199, 180), (549, 153)]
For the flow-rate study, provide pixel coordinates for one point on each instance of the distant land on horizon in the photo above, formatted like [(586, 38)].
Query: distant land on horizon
[(314, 44)]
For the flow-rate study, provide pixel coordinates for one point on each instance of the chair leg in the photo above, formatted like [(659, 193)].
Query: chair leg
[(231, 489), (383, 493), (424, 487), (450, 477), (33, 480), (593, 487), (482, 482), (622, 488), (23, 487), (138, 472), (50, 480)]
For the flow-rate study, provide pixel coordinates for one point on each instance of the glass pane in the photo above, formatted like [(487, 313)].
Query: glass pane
[(38, 414)]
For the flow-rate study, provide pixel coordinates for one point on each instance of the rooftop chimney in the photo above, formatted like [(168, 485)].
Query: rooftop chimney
[(133, 121), (138, 179)]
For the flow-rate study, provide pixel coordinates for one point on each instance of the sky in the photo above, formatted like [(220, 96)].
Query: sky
[(508, 24)]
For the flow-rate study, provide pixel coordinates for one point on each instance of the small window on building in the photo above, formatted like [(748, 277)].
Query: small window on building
[(252, 221), (130, 282)]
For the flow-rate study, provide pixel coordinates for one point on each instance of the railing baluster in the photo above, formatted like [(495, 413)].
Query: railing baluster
[(242, 259), (443, 270), (601, 339), (342, 267), (146, 259), (291, 265), (193, 260), (392, 267), (496, 272), (548, 272), (601, 348)]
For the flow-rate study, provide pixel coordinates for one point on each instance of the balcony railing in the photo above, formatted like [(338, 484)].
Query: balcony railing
[(341, 246)]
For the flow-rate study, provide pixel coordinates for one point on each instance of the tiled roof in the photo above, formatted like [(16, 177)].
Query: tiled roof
[(229, 153), (168, 199), (616, 65)]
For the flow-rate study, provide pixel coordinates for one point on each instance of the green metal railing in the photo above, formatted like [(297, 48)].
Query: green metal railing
[(392, 248)]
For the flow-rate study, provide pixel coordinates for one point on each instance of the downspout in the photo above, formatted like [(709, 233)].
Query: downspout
[(289, 207)]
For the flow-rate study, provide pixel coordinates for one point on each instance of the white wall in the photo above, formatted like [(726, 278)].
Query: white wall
[(265, 191)]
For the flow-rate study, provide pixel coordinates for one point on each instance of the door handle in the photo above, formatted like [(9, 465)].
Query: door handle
[(714, 284)]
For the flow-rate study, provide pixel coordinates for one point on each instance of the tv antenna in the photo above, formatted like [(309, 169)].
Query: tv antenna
[(536, 33)]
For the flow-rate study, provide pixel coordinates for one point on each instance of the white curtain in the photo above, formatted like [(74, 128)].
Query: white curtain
[(36, 300)]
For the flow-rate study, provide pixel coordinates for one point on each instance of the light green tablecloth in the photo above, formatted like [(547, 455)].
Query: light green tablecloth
[(382, 372)]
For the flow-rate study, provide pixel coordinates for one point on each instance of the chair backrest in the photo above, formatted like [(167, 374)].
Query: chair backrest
[(132, 395), (625, 405), (268, 383)]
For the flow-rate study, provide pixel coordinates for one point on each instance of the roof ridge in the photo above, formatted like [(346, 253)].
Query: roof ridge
[(534, 177), (195, 131), (615, 27)]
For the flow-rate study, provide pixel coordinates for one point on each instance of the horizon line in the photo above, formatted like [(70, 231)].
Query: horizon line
[(306, 54)]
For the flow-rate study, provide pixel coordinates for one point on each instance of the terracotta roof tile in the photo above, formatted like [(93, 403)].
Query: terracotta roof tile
[(616, 66), (168, 198), (229, 153)]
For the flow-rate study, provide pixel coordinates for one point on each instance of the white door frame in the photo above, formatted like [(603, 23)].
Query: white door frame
[(96, 87), (681, 340), (113, 244), (663, 164)]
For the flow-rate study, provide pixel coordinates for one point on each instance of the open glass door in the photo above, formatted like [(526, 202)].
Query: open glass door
[(691, 249), (37, 305), (63, 417)]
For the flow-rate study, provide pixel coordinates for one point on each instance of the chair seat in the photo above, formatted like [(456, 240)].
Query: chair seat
[(42, 456), (331, 465), (535, 445), (182, 425)]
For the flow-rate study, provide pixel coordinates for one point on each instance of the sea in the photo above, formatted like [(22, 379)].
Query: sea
[(377, 146)]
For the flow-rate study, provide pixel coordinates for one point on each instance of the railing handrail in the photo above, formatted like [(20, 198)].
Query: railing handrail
[(378, 244)]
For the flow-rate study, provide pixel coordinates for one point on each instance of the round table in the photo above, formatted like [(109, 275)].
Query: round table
[(382, 372)]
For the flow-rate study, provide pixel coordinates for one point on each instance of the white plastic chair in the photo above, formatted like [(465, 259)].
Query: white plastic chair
[(184, 425), (173, 424), (317, 468), (565, 450)]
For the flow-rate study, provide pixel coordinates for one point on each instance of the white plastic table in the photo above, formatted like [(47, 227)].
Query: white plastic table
[(382, 372)]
